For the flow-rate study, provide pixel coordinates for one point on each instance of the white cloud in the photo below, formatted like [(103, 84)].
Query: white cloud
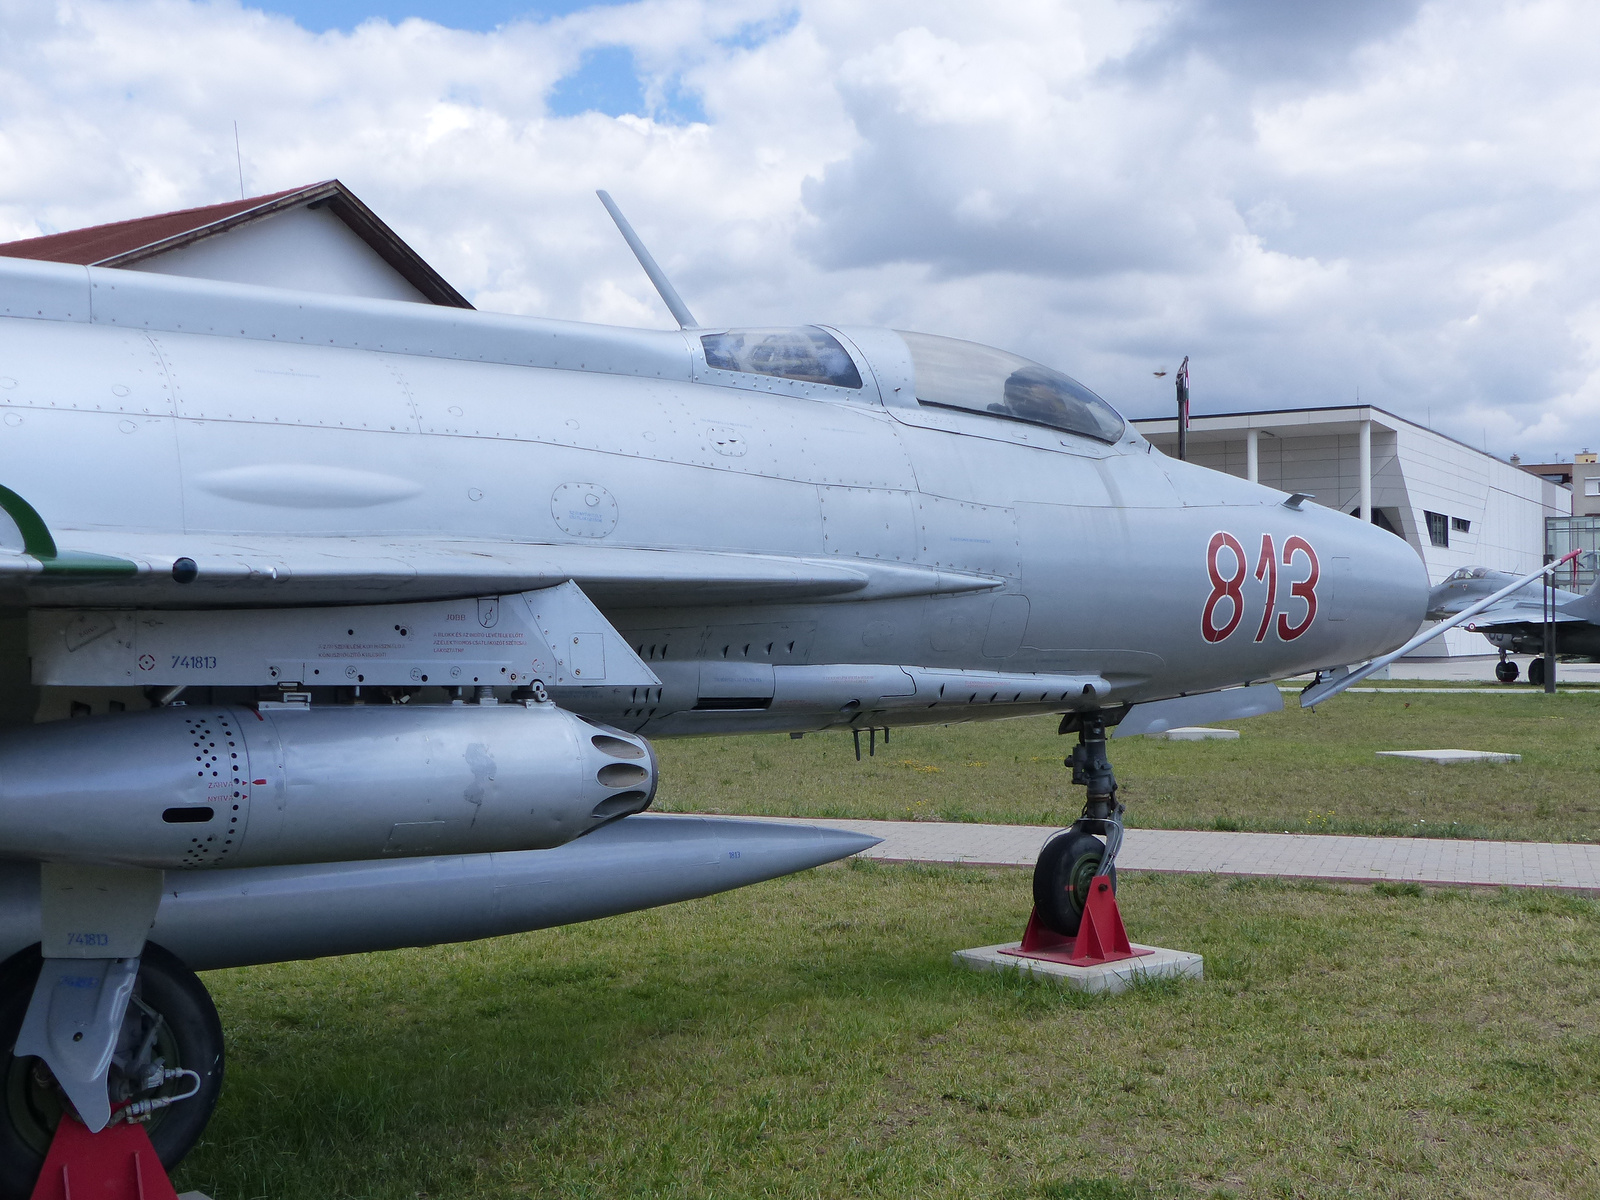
[(1370, 194)]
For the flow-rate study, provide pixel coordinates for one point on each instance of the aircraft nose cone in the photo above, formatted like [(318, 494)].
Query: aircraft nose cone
[(1379, 594), (1443, 601)]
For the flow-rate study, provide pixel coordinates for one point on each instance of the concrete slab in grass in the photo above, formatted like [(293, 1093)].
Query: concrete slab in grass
[(1198, 733), (1110, 977), (1452, 758)]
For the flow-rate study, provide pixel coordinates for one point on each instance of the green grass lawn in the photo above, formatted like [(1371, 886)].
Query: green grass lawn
[(1296, 770), (810, 1038)]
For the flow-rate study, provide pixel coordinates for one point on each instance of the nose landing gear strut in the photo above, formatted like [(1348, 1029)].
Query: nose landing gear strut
[(1075, 917)]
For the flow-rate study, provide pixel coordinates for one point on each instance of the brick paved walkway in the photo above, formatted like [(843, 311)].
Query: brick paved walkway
[(1295, 855)]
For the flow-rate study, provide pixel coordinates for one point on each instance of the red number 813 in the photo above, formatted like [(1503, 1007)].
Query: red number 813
[(1230, 587)]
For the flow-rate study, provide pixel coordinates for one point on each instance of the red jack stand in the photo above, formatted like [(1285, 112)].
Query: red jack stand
[(1101, 937), (118, 1163)]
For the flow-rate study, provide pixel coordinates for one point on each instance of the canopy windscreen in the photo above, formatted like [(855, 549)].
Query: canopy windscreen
[(808, 353), (954, 374)]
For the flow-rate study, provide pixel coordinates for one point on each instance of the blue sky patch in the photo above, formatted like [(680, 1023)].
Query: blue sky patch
[(679, 105), (756, 33), (605, 82), (608, 82)]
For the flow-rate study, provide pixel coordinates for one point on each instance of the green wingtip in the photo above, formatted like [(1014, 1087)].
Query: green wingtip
[(77, 562), (38, 543), (36, 539)]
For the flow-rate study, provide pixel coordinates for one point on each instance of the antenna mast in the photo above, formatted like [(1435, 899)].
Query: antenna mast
[(669, 294)]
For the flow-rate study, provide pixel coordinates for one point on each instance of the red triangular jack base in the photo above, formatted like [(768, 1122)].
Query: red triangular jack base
[(118, 1163), (1101, 936)]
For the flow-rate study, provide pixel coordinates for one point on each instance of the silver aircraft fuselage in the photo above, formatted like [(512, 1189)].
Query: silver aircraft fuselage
[(257, 433)]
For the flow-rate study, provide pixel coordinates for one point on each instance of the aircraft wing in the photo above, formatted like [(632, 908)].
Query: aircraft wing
[(173, 570), (1516, 613)]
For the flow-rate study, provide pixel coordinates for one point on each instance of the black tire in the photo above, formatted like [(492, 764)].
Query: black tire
[(1061, 879), (1507, 671), (1536, 672), (191, 1037)]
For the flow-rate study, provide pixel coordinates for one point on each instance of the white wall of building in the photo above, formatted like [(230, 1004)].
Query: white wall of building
[(1505, 505), (304, 248)]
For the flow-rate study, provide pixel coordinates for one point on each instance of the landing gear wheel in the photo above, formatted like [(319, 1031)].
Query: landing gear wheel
[(1061, 878), (168, 1000), (1508, 671), (1536, 672)]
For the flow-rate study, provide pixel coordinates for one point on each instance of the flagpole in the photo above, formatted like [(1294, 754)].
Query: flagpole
[(1183, 409)]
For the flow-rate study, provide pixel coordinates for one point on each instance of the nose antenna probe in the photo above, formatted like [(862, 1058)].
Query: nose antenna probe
[(1332, 684), (669, 294)]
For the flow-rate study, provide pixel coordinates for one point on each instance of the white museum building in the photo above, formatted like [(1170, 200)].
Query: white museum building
[(1458, 506)]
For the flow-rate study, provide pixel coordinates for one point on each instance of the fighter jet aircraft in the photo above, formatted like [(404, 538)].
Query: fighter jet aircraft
[(1515, 624), (373, 608)]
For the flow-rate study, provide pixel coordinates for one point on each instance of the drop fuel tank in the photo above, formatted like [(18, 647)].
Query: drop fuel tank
[(237, 918), (210, 786)]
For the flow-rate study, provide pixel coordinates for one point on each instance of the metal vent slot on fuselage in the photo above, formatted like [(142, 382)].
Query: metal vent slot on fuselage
[(621, 775), (623, 804)]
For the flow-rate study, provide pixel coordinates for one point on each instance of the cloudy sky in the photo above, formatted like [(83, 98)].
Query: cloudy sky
[(1310, 199)]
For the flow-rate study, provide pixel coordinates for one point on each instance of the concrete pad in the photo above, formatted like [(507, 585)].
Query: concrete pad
[(1452, 758), (1198, 733), (1110, 977)]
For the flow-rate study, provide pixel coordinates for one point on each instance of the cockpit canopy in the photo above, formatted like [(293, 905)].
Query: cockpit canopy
[(950, 373), (954, 374), (809, 354), (1462, 574)]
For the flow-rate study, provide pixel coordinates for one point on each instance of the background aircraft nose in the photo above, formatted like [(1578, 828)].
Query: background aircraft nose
[(1447, 598)]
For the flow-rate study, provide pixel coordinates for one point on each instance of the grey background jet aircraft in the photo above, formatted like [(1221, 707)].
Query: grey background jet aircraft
[(370, 610), (1515, 624)]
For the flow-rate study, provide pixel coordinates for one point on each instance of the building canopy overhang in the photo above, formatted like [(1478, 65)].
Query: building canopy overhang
[(1297, 422)]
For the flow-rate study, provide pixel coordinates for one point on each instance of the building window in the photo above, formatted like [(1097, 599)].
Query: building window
[(1591, 486), (1438, 528), (1460, 525), (1381, 519)]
